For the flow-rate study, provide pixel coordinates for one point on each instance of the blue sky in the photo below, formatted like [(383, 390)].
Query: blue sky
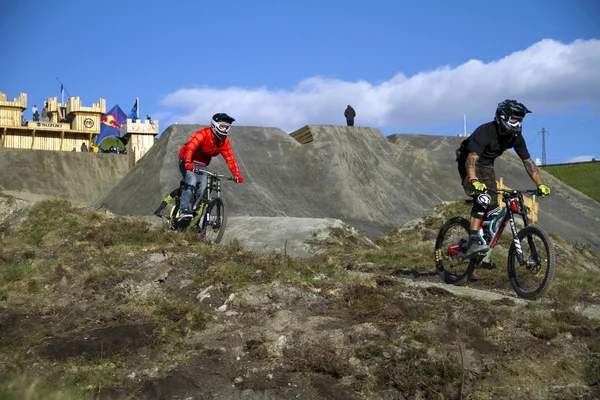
[(188, 59)]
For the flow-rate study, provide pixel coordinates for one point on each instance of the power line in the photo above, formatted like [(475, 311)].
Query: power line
[(566, 129), (534, 139)]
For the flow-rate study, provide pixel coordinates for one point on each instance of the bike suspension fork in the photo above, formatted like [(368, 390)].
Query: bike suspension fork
[(515, 233), (534, 253)]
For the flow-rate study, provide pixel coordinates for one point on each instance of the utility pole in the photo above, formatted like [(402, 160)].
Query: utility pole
[(543, 132)]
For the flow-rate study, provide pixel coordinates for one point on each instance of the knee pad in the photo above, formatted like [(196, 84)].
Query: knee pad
[(481, 205), (492, 211)]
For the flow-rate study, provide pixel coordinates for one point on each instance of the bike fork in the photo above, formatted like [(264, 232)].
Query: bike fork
[(534, 253), (516, 241)]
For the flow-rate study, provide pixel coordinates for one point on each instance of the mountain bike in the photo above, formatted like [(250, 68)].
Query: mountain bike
[(450, 250), (208, 209)]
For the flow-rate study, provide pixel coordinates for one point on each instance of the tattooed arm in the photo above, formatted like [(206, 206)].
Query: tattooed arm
[(470, 164), (533, 171)]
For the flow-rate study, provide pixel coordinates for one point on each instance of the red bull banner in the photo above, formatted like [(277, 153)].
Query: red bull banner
[(110, 124)]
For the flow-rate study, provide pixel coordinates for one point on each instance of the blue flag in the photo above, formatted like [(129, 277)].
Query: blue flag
[(133, 114), (110, 124)]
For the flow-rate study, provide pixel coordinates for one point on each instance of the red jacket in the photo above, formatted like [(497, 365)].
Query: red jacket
[(201, 147)]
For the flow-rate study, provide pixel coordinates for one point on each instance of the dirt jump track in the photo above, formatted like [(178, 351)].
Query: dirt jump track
[(357, 175)]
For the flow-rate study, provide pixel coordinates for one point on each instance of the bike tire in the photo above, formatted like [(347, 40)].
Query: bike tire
[(550, 270), (446, 276), (217, 202)]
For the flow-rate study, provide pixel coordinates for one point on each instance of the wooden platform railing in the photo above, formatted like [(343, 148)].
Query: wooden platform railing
[(530, 202)]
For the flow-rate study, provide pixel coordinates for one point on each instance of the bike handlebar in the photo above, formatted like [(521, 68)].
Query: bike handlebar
[(215, 175), (515, 191)]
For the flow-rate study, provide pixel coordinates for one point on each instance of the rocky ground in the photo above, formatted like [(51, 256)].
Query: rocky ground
[(105, 307)]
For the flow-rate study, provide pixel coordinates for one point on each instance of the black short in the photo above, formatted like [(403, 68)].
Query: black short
[(485, 173)]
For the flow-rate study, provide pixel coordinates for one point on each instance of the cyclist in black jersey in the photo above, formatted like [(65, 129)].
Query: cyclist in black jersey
[(476, 157)]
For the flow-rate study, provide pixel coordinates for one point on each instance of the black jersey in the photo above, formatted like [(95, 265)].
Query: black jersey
[(489, 144)]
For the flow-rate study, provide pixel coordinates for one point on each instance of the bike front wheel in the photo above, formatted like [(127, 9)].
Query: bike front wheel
[(533, 277), (214, 221), (450, 246)]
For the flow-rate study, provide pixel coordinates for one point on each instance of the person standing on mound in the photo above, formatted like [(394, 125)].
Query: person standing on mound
[(350, 114)]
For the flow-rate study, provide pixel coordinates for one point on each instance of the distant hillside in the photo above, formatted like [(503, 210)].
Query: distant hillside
[(584, 177)]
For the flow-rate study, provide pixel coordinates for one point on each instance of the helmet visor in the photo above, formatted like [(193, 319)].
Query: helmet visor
[(223, 127), (515, 122)]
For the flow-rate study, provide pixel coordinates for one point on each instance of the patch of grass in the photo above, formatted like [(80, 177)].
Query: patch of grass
[(49, 221), (583, 177), (414, 372), (20, 271), (362, 303), (182, 315), (57, 223), (120, 234), (104, 278), (36, 389), (528, 379), (226, 272), (592, 371), (573, 285), (319, 358), (542, 327)]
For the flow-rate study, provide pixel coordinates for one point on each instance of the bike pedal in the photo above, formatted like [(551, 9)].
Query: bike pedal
[(488, 265)]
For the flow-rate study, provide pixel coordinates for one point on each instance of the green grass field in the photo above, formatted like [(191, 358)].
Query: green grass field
[(583, 177)]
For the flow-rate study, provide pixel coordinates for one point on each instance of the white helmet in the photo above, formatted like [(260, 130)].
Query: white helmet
[(220, 125)]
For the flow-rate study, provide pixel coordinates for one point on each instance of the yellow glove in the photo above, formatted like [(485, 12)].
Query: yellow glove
[(479, 186), (544, 189)]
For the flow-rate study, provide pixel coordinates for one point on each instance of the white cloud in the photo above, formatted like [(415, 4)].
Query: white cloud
[(548, 76), (580, 159)]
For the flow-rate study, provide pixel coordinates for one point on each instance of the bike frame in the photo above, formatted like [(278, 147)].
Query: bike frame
[(213, 184), (514, 204)]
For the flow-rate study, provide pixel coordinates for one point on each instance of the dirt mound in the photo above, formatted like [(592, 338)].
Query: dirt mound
[(79, 177)]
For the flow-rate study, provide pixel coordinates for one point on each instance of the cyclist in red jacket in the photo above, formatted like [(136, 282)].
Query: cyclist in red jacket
[(197, 153)]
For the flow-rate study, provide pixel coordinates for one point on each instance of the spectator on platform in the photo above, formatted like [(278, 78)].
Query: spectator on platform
[(34, 110), (45, 112), (349, 114), (84, 148)]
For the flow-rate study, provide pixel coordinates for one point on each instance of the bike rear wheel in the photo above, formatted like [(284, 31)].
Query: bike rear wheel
[(533, 279), (214, 221), (452, 239)]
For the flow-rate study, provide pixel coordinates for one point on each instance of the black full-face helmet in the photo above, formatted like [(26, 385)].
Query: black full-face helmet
[(510, 115)]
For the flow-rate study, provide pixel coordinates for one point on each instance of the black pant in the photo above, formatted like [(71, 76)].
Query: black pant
[(350, 122)]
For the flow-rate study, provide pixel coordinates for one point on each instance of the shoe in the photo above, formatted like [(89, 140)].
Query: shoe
[(185, 214), (476, 248)]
